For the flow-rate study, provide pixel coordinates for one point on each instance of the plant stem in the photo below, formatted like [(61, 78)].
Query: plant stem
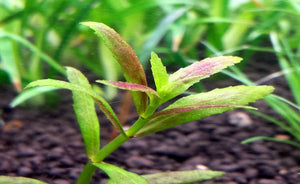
[(119, 140), (86, 174), (88, 171)]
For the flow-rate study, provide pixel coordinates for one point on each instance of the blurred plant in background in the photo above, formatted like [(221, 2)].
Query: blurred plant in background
[(281, 34), (37, 32)]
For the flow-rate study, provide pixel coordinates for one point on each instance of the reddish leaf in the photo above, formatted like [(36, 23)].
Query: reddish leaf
[(124, 54), (129, 86), (195, 107), (188, 108), (184, 78), (204, 68)]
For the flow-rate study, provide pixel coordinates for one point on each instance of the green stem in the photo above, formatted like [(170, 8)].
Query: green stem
[(89, 169), (87, 174), (118, 141)]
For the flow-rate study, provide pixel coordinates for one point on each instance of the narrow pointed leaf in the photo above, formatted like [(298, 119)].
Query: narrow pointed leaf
[(29, 93), (103, 104), (187, 108), (34, 49), (159, 72), (118, 175), (184, 78), (180, 177), (9, 61), (19, 180), (195, 107), (129, 86), (236, 95), (204, 68), (85, 111), (124, 54), (294, 143)]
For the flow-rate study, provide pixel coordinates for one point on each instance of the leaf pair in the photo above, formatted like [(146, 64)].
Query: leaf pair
[(84, 99), (118, 175)]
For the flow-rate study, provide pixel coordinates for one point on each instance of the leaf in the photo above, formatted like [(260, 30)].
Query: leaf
[(29, 93), (180, 177), (9, 61), (84, 107), (160, 31), (129, 86), (19, 180), (34, 49), (111, 70), (104, 105), (294, 143), (160, 75), (195, 107), (118, 175), (124, 54), (184, 78)]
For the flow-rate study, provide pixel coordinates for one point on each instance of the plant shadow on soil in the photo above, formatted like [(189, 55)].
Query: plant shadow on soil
[(46, 144)]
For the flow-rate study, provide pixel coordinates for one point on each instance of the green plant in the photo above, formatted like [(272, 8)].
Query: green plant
[(289, 111), (36, 21), (283, 38), (33, 43), (147, 100)]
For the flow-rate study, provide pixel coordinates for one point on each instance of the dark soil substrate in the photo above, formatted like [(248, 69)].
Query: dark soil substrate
[(47, 145)]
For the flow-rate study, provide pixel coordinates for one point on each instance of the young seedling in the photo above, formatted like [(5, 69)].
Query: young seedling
[(147, 100)]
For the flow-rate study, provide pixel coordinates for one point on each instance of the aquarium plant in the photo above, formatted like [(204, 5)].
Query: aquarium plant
[(146, 100)]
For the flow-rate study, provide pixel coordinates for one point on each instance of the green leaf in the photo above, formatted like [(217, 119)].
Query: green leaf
[(84, 107), (160, 75), (195, 107), (119, 175), (160, 31), (181, 177), (294, 143), (19, 180), (29, 93), (9, 62), (104, 105), (184, 78), (34, 49), (124, 54)]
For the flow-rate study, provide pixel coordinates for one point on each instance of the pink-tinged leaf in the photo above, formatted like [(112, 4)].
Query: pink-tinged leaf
[(129, 86), (173, 117), (203, 68), (184, 78), (124, 54), (188, 108), (195, 107)]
